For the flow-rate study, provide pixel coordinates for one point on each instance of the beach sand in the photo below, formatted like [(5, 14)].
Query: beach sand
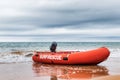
[(18, 71), (107, 70), (112, 77)]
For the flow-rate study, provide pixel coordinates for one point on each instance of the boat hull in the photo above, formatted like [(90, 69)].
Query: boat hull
[(72, 57)]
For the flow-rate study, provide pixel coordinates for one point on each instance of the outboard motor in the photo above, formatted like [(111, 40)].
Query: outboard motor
[(53, 47)]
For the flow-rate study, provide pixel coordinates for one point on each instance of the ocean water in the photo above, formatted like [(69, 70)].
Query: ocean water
[(12, 52)]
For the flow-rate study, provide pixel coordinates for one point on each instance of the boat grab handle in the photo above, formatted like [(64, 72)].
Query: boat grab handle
[(65, 58)]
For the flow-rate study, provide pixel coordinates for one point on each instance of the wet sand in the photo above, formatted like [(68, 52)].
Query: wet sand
[(112, 77), (107, 70)]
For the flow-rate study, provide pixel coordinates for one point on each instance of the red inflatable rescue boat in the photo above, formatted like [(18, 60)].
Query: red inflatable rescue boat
[(72, 57)]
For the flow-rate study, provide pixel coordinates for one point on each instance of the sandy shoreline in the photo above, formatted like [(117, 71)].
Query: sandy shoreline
[(28, 71), (18, 71), (112, 77)]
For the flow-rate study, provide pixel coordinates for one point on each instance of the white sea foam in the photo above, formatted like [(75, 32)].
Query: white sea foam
[(12, 58), (115, 52)]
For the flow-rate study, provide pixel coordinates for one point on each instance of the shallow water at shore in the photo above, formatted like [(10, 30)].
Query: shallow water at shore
[(14, 52)]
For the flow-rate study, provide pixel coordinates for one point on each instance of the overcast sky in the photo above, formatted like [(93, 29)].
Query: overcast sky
[(59, 20)]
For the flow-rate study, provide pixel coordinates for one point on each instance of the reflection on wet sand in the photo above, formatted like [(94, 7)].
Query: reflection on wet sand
[(70, 72)]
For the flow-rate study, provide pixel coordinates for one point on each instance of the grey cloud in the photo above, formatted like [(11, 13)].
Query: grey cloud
[(15, 27), (67, 14), (64, 18)]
